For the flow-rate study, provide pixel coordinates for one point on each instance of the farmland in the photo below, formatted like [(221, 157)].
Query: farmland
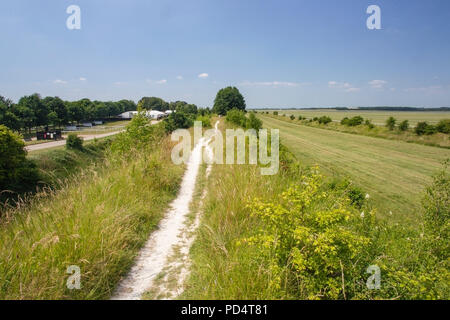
[(377, 117), (393, 173)]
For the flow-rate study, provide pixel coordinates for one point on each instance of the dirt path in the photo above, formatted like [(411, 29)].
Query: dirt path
[(171, 234)]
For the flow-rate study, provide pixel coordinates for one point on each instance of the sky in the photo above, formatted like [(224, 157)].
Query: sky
[(279, 53)]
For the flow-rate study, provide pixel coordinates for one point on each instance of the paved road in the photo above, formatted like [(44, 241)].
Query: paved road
[(53, 144)]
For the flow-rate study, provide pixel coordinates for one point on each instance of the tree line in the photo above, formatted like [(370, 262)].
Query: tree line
[(34, 111)]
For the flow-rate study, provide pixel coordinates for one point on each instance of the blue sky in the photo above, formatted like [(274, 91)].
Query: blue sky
[(311, 53)]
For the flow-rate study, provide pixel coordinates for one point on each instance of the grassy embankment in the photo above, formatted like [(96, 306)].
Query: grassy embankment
[(393, 173), (97, 220), (379, 130), (376, 117), (295, 236)]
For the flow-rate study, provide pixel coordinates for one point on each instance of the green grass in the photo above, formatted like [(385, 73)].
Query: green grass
[(377, 117), (436, 140), (393, 173), (223, 267), (98, 221)]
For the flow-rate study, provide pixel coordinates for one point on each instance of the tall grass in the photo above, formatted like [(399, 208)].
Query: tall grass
[(97, 221), (224, 267)]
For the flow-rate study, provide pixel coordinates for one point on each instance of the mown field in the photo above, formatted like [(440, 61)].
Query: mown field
[(393, 173), (377, 117)]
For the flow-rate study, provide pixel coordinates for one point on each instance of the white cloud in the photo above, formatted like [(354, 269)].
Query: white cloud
[(203, 75), (179, 77), (163, 81), (347, 87), (377, 84), (119, 83), (58, 81), (82, 79), (273, 84)]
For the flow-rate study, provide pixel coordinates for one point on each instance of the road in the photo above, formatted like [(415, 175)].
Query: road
[(63, 142)]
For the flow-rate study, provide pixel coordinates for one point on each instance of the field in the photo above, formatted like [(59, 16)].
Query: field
[(393, 173), (377, 117)]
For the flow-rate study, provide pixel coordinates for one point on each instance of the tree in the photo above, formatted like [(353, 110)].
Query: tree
[(443, 126), (26, 116), (227, 99), (7, 116), (390, 123), (424, 128), (17, 173), (59, 114), (153, 103), (38, 108), (404, 125), (75, 112)]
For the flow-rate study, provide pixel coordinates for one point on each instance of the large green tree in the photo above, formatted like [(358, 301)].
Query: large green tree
[(58, 113), (17, 173), (153, 103), (228, 98), (7, 115)]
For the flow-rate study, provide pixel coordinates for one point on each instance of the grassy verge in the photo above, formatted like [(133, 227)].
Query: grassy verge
[(96, 221)]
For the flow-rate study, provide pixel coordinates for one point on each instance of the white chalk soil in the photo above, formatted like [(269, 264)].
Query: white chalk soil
[(173, 235)]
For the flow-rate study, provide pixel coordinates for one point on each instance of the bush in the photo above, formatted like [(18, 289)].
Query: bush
[(237, 117), (17, 173), (177, 120), (424, 128), (310, 239), (355, 121), (253, 122), (390, 123), (356, 197), (301, 118), (369, 124), (206, 121), (292, 117), (74, 142), (443, 126), (404, 125), (324, 120), (275, 113)]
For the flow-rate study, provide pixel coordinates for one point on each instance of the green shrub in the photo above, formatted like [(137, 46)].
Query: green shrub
[(390, 123), (178, 120), (424, 128), (275, 113), (443, 126), (356, 197), (312, 240), (206, 121), (324, 120), (74, 142), (292, 117), (355, 121), (253, 122), (369, 124), (237, 117), (404, 125), (301, 118), (17, 173)]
